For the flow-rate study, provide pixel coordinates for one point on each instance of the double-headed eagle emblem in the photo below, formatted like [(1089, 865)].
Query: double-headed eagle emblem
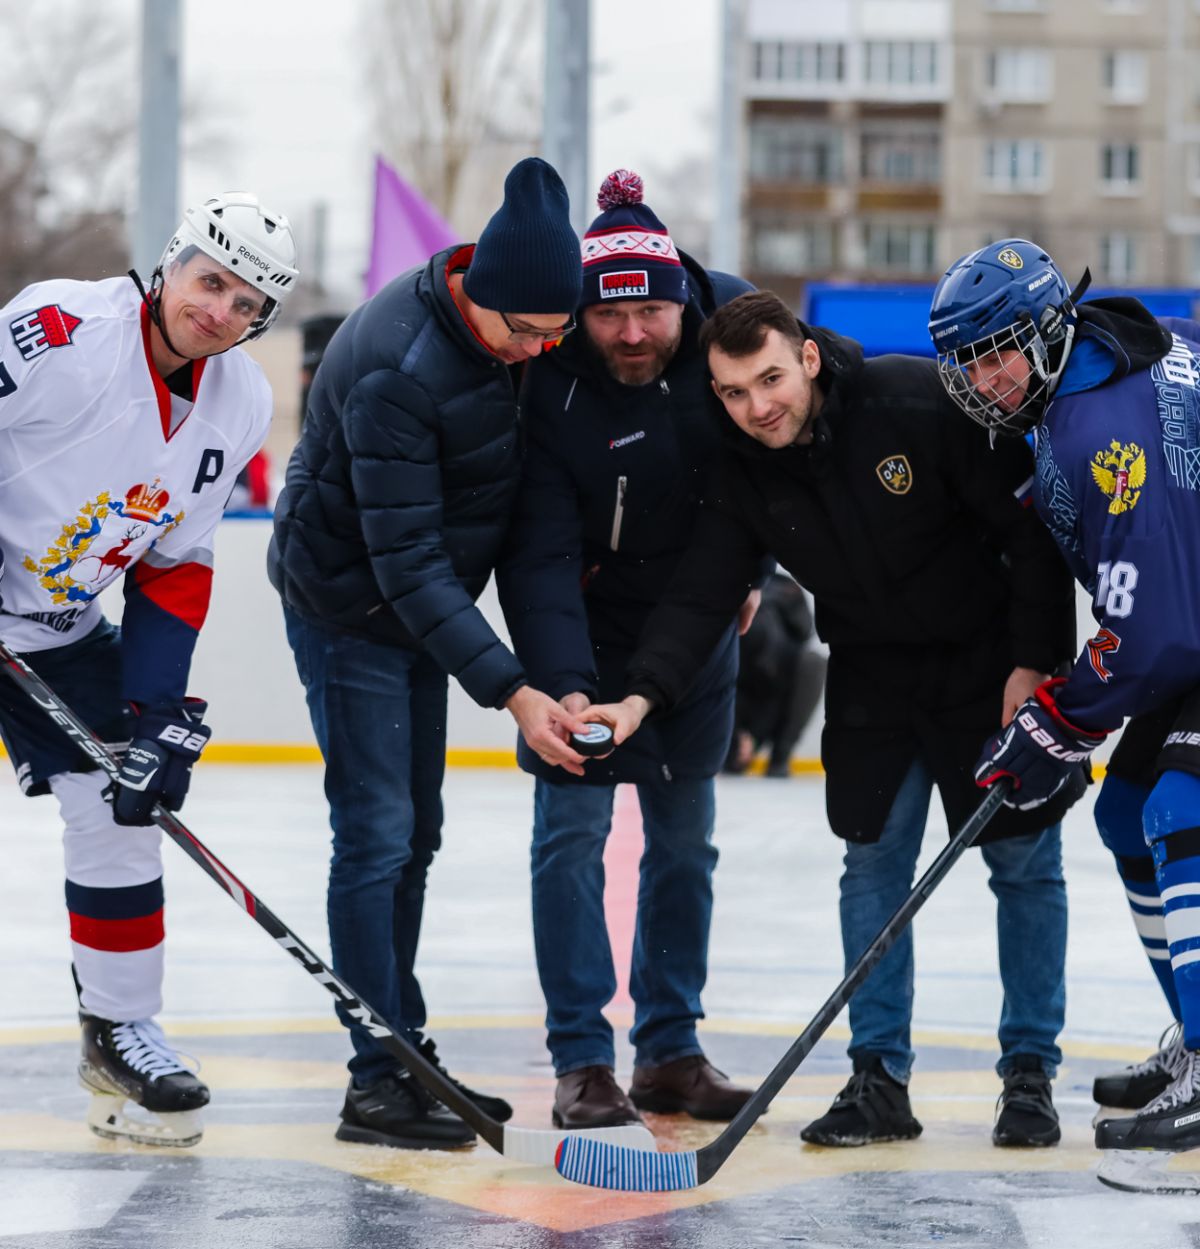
[(1121, 473)]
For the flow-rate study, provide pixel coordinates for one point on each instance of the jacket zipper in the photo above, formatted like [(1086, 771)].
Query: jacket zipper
[(618, 513)]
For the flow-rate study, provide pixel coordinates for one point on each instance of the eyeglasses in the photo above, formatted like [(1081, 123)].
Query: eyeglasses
[(521, 334)]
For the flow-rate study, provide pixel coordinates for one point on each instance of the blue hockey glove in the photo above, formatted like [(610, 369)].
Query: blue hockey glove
[(157, 766), (1039, 750)]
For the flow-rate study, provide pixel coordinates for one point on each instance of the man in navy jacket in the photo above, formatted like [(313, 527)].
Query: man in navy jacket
[(620, 427), (392, 516)]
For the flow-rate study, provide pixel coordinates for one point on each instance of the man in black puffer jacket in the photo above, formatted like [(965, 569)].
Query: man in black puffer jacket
[(944, 603), (393, 513), (621, 427)]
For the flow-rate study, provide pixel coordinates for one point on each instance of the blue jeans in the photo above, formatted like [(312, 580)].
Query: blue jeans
[(379, 714), (674, 909), (1031, 922)]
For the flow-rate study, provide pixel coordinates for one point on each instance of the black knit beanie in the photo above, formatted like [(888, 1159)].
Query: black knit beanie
[(527, 258)]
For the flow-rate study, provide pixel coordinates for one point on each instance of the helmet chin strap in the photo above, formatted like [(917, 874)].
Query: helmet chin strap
[(152, 299)]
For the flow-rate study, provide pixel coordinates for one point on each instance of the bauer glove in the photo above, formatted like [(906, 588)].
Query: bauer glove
[(1039, 750), (157, 766)]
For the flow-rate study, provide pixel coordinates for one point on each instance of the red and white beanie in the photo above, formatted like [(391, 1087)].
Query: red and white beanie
[(627, 252)]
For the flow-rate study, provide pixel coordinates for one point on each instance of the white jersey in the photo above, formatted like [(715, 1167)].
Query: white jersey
[(99, 465)]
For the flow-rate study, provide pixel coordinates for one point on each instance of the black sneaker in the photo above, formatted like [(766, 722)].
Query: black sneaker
[(1133, 1087), (397, 1111), (1026, 1113), (872, 1107), (494, 1107)]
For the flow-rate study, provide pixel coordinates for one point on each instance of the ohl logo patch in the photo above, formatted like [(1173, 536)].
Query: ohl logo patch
[(48, 327), (896, 474), (1121, 473), (1011, 258)]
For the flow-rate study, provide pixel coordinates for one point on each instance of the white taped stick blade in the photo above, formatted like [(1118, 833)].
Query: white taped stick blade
[(1145, 1171), (540, 1148), (600, 1165)]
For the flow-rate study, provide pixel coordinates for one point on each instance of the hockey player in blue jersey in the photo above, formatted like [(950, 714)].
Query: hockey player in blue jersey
[(1111, 397)]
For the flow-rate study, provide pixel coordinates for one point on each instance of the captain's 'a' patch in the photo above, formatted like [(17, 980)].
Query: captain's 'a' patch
[(895, 473)]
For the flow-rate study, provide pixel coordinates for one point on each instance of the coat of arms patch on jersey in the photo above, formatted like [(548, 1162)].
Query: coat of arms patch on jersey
[(1120, 471), (896, 474)]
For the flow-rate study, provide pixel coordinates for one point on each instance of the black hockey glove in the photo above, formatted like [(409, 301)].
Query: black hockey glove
[(157, 765), (1039, 750)]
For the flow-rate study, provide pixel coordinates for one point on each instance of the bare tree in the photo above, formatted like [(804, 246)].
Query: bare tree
[(456, 93), (65, 149)]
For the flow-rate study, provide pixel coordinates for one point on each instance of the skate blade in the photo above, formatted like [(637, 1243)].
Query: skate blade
[(1144, 1171), (108, 1118)]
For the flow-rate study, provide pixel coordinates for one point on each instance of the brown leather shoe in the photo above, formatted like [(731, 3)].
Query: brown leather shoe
[(591, 1098), (690, 1085)]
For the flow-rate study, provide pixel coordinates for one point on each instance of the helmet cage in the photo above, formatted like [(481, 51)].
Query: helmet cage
[(981, 378)]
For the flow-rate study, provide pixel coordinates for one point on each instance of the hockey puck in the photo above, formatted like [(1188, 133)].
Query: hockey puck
[(598, 740)]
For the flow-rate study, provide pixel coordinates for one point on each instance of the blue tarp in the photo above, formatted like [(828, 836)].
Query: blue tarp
[(894, 318)]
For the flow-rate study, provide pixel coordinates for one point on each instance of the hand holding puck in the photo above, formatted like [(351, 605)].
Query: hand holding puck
[(595, 742)]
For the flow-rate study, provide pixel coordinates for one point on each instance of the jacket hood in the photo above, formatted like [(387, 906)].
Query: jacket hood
[(841, 362), (1125, 332)]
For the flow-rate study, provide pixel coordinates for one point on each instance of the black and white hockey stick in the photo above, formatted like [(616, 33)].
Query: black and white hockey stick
[(604, 1165), (531, 1145)]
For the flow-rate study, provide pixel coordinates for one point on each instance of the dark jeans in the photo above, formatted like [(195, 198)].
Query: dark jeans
[(379, 713), (1031, 932), (571, 823)]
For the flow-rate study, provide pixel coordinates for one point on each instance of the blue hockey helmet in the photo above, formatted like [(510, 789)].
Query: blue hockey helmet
[(1002, 321)]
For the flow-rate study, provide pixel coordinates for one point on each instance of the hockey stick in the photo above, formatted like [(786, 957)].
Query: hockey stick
[(520, 1144), (604, 1165)]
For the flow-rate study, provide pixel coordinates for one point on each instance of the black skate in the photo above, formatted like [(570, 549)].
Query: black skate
[(397, 1111), (1138, 1148), (132, 1062), (871, 1108), (1027, 1116), (1132, 1087)]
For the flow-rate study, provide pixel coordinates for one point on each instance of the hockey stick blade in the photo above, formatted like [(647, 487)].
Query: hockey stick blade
[(603, 1165), (533, 1145)]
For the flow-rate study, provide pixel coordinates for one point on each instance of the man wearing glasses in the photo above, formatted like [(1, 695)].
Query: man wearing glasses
[(620, 426), (396, 502)]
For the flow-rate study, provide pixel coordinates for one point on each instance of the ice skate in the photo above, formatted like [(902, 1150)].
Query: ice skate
[(1139, 1147), (1132, 1087), (132, 1062)]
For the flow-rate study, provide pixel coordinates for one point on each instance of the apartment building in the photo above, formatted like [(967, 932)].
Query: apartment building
[(883, 138)]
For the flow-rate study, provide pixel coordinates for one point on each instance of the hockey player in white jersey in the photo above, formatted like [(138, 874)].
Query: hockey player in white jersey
[(126, 415)]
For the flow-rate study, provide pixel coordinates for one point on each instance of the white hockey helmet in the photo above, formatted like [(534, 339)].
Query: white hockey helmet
[(249, 240)]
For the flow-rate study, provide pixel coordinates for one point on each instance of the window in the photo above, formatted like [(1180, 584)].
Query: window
[(784, 245), (787, 150), (1019, 74), (904, 249), (1119, 168), (1118, 257), (1015, 165), (780, 61), (1124, 74), (901, 155), (1016, 6), (900, 63)]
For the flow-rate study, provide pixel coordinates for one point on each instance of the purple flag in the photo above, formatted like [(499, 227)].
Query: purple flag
[(408, 230)]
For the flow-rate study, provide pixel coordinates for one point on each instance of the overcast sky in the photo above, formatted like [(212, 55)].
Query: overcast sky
[(285, 80)]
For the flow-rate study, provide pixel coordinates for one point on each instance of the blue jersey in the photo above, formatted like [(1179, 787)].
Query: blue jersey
[(1118, 484)]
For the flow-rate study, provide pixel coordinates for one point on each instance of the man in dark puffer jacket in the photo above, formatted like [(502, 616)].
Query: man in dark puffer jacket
[(396, 502)]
